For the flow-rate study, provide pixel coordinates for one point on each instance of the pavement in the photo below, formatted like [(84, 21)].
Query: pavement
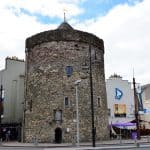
[(88, 146)]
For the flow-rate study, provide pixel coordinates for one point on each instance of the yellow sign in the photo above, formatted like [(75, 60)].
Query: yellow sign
[(120, 110)]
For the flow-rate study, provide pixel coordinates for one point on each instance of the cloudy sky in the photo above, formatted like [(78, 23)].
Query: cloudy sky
[(124, 25)]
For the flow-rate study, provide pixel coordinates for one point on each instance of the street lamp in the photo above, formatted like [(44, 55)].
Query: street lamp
[(1, 107), (1, 110), (92, 103), (77, 110)]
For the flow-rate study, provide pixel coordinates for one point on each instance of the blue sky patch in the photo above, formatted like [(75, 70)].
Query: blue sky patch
[(97, 8), (92, 10)]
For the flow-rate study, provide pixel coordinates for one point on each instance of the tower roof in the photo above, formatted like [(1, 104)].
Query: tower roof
[(64, 32), (65, 26)]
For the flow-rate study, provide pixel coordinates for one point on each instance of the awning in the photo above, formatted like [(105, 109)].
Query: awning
[(123, 124)]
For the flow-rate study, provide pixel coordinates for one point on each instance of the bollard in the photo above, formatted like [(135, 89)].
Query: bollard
[(148, 138), (120, 139), (35, 141), (0, 142), (74, 141), (135, 141), (137, 144)]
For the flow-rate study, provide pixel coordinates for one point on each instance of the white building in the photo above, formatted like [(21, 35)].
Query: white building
[(146, 104), (12, 81), (146, 98), (120, 99)]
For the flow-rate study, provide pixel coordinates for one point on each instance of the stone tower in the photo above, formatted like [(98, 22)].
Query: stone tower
[(55, 59)]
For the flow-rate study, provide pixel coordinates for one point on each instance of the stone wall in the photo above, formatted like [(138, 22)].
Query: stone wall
[(47, 85)]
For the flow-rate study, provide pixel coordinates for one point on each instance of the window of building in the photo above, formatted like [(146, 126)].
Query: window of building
[(120, 110), (66, 102), (109, 112), (58, 116), (99, 102), (69, 70)]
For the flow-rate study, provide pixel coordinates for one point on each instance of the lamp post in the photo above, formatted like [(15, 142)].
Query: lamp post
[(92, 103), (136, 110), (77, 110), (1, 110)]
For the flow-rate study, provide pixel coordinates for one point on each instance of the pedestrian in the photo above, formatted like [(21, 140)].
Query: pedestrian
[(8, 135)]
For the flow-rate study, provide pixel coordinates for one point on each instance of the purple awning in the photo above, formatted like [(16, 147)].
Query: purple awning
[(123, 124)]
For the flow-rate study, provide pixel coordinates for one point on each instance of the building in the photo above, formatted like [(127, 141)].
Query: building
[(146, 104), (120, 99), (12, 81), (55, 59), (146, 98)]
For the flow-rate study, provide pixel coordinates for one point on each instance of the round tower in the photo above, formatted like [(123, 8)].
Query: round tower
[(55, 60)]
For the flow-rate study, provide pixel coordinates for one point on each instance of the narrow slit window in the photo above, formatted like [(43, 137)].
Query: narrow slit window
[(66, 101), (99, 103)]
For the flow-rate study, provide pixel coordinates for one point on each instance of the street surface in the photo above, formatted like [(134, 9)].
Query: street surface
[(65, 148), (27, 148), (21, 148), (131, 149), (143, 144)]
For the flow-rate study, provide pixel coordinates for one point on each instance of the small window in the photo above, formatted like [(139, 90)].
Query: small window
[(109, 112), (99, 103), (66, 101), (58, 116), (69, 71)]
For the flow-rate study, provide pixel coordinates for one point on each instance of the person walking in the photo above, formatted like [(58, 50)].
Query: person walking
[(8, 135)]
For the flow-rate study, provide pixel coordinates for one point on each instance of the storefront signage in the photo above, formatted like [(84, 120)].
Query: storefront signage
[(118, 93)]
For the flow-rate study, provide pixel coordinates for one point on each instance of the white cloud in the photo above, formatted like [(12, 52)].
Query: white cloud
[(125, 31), (14, 29), (16, 26), (51, 8)]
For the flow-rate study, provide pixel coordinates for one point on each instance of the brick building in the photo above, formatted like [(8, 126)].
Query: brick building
[(55, 59)]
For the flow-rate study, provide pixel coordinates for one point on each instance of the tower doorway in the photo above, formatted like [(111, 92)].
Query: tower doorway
[(58, 135)]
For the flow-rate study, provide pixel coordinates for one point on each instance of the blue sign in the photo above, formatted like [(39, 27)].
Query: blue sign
[(118, 94), (146, 111), (69, 70)]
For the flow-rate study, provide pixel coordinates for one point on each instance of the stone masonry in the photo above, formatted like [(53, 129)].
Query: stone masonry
[(49, 89)]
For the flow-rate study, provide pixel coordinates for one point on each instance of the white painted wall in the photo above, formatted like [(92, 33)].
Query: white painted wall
[(127, 98), (146, 93), (12, 79)]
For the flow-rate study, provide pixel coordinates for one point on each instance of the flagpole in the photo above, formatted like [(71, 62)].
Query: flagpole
[(136, 110)]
